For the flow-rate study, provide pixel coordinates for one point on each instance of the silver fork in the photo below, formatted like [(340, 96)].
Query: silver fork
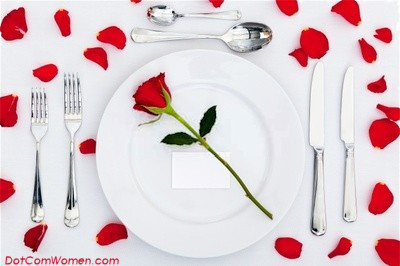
[(73, 120), (39, 125)]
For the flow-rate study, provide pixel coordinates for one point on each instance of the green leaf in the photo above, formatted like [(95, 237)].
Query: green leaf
[(179, 138), (208, 121)]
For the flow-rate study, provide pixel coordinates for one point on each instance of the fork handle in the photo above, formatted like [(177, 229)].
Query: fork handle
[(71, 215), (37, 210)]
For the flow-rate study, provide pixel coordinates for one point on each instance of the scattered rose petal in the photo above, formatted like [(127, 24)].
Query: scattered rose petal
[(111, 233), (34, 236), (383, 132), (114, 36), (136, 1), (389, 251), (349, 10), (216, 3), (314, 43), (88, 146), (381, 199), (288, 7), (384, 34), (7, 189), (13, 26), (342, 248), (368, 52), (288, 247), (97, 55), (393, 113), (46, 73), (8, 110), (63, 21), (300, 56), (378, 86)]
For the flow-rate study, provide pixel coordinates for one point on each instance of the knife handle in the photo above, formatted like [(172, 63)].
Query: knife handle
[(349, 201), (318, 223)]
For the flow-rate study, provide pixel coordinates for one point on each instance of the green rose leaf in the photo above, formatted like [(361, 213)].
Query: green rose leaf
[(179, 138), (208, 121)]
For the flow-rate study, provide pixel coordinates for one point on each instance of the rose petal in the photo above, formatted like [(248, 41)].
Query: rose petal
[(63, 21), (342, 248), (34, 236), (13, 26), (389, 251), (136, 1), (216, 3), (7, 189), (288, 7), (114, 36), (8, 110), (288, 247), (384, 34), (300, 56), (111, 233), (383, 132), (368, 52), (349, 10), (88, 146), (393, 113), (97, 55), (381, 199), (314, 43), (46, 73), (378, 86)]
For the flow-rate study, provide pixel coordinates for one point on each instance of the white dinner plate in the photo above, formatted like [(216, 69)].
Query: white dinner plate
[(256, 123)]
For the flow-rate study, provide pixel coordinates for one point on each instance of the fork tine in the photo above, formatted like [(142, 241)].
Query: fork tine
[(79, 94), (75, 94), (71, 106), (65, 94), (46, 109), (41, 93), (37, 106), (32, 106)]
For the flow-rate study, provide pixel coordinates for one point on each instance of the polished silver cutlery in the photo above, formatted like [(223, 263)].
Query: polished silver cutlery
[(165, 15), (39, 125), (318, 221), (73, 120), (347, 135), (243, 37)]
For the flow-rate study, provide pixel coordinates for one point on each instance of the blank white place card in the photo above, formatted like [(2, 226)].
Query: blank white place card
[(192, 170)]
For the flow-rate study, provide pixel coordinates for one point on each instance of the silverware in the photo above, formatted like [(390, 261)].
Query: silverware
[(39, 125), (243, 37), (73, 120), (165, 15), (318, 223), (347, 135)]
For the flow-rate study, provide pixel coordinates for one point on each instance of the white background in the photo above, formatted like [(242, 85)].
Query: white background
[(43, 44)]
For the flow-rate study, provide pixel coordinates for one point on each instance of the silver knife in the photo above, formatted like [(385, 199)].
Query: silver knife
[(347, 135), (318, 222)]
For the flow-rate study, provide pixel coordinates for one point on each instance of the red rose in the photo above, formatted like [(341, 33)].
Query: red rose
[(150, 94)]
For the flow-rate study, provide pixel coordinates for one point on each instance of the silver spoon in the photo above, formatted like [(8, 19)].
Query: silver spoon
[(164, 15), (243, 37)]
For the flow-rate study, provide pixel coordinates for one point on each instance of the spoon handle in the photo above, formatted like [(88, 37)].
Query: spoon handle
[(144, 35), (226, 15)]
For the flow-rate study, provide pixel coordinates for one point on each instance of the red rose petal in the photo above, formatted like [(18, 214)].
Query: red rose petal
[(389, 251), (393, 113), (342, 248), (114, 36), (381, 199), (8, 110), (383, 132), (378, 86), (34, 236), (314, 43), (368, 52), (288, 247), (349, 10), (97, 55), (288, 7), (63, 21), (300, 56), (216, 3), (46, 73), (111, 233), (88, 146), (384, 34), (136, 1), (7, 189), (13, 26)]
